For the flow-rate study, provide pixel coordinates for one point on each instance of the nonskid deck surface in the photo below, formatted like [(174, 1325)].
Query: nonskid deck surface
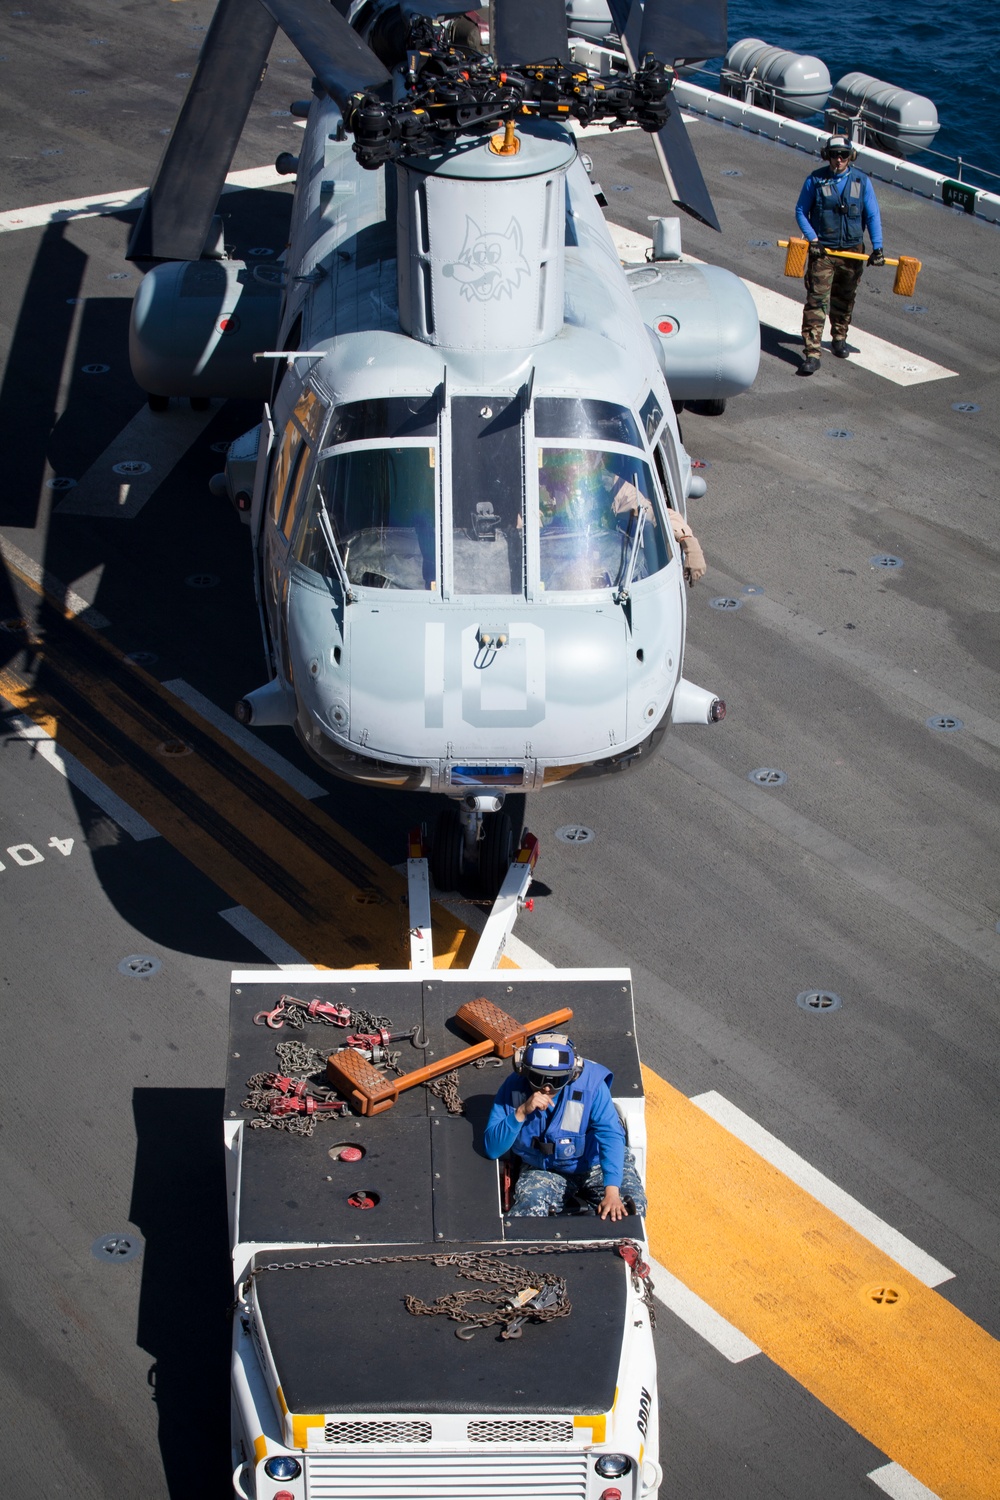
[(869, 872)]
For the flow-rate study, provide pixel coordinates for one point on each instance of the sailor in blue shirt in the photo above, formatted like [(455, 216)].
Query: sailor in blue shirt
[(836, 206), (555, 1113)]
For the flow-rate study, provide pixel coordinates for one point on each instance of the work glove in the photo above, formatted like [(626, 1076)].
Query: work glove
[(816, 250), (877, 257)]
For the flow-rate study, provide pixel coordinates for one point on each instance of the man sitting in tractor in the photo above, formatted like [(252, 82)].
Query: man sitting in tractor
[(556, 1114)]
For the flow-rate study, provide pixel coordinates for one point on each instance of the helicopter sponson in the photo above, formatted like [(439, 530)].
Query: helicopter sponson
[(459, 490)]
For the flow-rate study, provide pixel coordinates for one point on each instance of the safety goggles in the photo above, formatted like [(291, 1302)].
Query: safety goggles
[(839, 155), (543, 1082)]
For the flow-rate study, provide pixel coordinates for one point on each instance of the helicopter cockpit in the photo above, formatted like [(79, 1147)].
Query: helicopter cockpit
[(369, 509)]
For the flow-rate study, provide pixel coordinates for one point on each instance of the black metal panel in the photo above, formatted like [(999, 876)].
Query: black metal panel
[(683, 28), (603, 1024), (177, 214), (687, 186), (291, 1190), (529, 31), (332, 48), (343, 1341)]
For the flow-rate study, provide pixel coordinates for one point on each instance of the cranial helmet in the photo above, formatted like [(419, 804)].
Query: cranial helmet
[(549, 1057), (839, 143)]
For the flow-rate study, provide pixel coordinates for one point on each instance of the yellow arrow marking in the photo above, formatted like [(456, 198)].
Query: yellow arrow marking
[(909, 1372)]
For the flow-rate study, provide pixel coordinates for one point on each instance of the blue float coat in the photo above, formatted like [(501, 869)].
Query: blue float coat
[(601, 1127), (871, 219)]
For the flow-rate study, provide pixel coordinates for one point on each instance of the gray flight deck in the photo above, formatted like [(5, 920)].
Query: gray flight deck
[(871, 871)]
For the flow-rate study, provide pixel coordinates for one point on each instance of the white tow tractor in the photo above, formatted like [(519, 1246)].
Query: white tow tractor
[(398, 1334)]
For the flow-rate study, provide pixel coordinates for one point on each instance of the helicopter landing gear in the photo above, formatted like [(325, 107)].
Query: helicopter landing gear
[(199, 403), (474, 834), (157, 403), (446, 850), (496, 850)]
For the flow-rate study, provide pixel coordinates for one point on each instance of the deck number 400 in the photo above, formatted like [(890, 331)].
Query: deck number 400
[(26, 854)]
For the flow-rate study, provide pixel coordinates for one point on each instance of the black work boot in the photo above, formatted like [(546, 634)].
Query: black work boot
[(809, 365), (839, 348)]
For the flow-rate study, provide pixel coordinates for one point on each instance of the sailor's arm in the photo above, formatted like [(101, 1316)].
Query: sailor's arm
[(610, 1134), (803, 206), (506, 1118), (693, 556)]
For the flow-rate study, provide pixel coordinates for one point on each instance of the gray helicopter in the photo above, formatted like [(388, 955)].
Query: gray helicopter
[(465, 485)]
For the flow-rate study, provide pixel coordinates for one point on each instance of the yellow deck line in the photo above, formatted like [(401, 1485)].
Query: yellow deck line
[(916, 1377)]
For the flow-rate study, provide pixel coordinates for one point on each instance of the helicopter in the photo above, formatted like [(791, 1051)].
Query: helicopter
[(463, 487)]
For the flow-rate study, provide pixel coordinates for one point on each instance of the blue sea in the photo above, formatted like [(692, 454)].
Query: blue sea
[(949, 52)]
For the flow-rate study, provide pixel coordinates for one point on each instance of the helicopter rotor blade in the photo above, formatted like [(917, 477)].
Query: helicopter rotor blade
[(685, 182), (529, 31), (678, 162), (673, 29), (177, 215), (339, 58)]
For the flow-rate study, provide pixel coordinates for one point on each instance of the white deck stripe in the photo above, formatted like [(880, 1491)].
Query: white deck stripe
[(95, 205), (77, 775), (876, 355), (75, 603), (149, 438), (900, 1484), (921, 1265), (270, 944), (246, 739), (704, 1320)]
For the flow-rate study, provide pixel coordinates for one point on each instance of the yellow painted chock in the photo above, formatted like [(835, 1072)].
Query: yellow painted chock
[(907, 266)]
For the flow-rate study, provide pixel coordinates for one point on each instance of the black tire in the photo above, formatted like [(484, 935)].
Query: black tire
[(446, 850), (713, 408), (199, 403), (496, 850), (157, 403)]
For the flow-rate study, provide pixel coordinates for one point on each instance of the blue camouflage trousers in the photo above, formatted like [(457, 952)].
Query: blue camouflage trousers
[(538, 1194)]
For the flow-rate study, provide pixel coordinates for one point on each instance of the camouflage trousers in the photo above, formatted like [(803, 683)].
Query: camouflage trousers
[(831, 287), (538, 1194)]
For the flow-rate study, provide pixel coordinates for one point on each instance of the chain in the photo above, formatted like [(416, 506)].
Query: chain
[(518, 1298), (446, 1089)]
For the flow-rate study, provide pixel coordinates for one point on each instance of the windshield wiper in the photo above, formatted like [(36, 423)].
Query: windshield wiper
[(622, 591), (326, 527)]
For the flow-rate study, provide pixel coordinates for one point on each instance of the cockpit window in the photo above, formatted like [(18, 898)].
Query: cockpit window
[(380, 502), (562, 417), (391, 417), (588, 506)]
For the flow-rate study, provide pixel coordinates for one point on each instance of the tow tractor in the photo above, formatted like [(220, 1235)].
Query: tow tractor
[(397, 1332)]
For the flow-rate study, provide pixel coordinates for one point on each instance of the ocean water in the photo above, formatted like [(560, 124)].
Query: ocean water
[(944, 49)]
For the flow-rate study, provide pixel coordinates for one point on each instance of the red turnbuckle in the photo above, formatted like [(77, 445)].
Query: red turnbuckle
[(632, 1257), (324, 1010), (307, 1106), (296, 1087)]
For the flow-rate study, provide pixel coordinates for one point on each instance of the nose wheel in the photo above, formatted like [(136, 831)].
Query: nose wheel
[(473, 836)]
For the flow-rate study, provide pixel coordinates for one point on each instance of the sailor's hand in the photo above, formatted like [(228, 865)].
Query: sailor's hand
[(535, 1101), (816, 250), (877, 257), (611, 1205)]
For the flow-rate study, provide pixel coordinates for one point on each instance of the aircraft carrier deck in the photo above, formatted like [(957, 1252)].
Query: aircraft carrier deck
[(808, 894)]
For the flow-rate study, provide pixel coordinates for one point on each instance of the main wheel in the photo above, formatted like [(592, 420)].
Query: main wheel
[(496, 850), (157, 403), (446, 850), (709, 408)]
